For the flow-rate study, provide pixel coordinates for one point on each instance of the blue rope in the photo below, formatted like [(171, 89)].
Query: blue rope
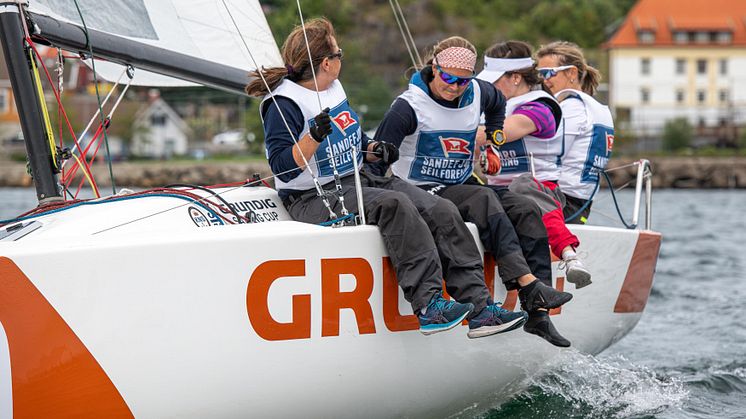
[(123, 198), (338, 220), (616, 204)]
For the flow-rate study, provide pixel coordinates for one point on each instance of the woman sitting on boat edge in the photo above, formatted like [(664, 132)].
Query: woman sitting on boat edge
[(434, 122), (530, 146), (589, 127), (418, 230)]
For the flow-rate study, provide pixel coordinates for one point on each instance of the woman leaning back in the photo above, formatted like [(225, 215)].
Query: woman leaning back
[(423, 236), (434, 123), (589, 129)]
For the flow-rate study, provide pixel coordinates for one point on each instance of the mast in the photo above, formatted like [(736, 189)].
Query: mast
[(27, 102)]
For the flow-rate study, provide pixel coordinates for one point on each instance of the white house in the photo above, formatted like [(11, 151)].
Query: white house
[(679, 58), (159, 132)]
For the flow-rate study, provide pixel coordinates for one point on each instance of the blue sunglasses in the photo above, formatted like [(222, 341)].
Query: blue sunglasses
[(548, 72), (451, 79)]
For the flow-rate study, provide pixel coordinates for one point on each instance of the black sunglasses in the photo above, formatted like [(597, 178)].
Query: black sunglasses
[(338, 54)]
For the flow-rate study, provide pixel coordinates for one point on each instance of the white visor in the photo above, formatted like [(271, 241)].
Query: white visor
[(494, 68)]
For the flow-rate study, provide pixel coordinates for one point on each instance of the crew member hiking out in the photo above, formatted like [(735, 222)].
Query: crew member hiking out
[(310, 130), (434, 122)]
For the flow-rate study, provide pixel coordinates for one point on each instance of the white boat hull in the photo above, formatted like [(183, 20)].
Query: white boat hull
[(279, 319)]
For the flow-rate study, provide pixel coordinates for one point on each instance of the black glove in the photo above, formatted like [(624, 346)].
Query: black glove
[(322, 127), (387, 152)]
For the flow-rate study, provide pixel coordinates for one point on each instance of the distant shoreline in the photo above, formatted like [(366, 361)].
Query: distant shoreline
[(668, 172)]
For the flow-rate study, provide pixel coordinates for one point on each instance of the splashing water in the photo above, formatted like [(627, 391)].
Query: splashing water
[(578, 385)]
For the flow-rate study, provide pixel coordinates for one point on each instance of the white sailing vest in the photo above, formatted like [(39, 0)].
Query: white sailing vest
[(345, 133), (514, 156), (588, 153), (441, 149)]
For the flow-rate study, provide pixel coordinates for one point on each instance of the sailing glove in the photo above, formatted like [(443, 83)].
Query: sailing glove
[(387, 152), (489, 160), (322, 126)]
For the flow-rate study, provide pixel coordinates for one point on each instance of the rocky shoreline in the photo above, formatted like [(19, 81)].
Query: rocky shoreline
[(668, 172)]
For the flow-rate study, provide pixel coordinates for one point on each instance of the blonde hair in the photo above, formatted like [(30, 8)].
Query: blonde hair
[(569, 53), (295, 55)]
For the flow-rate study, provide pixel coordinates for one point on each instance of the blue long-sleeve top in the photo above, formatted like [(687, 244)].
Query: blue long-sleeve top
[(279, 143), (401, 120)]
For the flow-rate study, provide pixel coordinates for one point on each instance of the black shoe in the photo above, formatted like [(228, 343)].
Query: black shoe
[(536, 295), (541, 325)]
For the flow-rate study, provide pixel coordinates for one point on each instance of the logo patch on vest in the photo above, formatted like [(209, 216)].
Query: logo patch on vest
[(454, 145), (443, 157), (609, 142), (344, 120)]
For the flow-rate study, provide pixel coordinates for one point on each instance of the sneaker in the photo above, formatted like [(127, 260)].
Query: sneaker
[(537, 295), (495, 319), (576, 272), (541, 325), (442, 315)]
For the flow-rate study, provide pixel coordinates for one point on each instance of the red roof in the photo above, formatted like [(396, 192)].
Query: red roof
[(663, 17)]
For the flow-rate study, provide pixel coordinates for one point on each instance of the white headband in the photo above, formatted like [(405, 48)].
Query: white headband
[(507, 64)]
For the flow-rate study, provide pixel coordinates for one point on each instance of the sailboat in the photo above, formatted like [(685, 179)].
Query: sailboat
[(213, 302)]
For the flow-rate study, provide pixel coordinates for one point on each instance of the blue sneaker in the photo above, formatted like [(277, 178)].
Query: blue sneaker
[(442, 315), (495, 319)]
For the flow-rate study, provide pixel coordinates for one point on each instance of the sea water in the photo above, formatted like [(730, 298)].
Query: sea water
[(687, 356)]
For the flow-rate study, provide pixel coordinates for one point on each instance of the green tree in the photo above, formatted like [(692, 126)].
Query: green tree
[(677, 134)]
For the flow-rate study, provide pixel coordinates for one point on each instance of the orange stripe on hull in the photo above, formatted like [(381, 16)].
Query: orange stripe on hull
[(53, 373), (639, 280)]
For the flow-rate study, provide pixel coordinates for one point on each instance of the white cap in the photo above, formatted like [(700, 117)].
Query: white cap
[(494, 68)]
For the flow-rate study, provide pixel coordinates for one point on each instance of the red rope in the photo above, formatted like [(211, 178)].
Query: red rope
[(57, 96)]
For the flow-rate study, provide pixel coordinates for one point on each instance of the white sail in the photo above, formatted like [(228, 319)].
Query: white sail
[(198, 28)]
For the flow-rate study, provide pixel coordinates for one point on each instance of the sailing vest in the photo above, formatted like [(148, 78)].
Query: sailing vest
[(588, 153), (338, 145), (515, 155), (441, 149)]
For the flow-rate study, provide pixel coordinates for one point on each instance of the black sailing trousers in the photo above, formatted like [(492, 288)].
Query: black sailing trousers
[(424, 235)]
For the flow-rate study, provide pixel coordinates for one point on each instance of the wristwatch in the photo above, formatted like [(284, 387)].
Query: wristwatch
[(498, 138)]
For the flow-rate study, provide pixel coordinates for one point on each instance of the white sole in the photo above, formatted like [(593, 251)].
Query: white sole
[(492, 330), (454, 324)]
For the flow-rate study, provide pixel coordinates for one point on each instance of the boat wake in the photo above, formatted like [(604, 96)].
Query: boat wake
[(576, 385)]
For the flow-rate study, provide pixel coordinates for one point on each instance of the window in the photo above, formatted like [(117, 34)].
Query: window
[(680, 37), (701, 67), (723, 96), (680, 66), (158, 119), (645, 95), (645, 36), (724, 37), (723, 66), (680, 95), (645, 66), (4, 105), (702, 37), (701, 96)]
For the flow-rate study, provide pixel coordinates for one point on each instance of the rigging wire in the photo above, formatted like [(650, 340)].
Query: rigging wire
[(335, 172), (398, 14), (317, 185), (106, 99), (98, 96)]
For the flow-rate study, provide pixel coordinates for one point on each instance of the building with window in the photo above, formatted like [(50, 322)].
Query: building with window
[(160, 133), (680, 58)]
